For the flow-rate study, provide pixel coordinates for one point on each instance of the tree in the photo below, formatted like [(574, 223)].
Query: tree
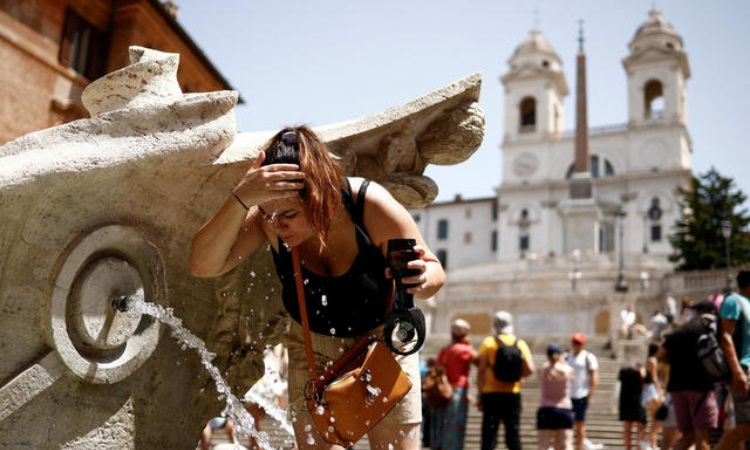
[(698, 241)]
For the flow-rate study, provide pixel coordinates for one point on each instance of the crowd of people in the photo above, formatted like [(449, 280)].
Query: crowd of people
[(666, 400)]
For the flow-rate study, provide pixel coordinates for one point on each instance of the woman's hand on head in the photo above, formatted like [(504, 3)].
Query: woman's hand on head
[(274, 181)]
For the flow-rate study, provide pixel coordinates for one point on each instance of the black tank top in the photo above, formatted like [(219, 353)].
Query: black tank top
[(347, 305)]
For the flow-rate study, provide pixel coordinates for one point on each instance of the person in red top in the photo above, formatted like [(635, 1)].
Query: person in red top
[(448, 426)]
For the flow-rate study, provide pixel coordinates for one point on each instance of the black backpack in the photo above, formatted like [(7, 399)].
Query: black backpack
[(710, 353), (508, 365)]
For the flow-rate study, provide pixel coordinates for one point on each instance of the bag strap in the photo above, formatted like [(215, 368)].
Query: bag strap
[(303, 313), (300, 288)]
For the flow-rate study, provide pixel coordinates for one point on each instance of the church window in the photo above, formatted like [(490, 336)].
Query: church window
[(493, 239), (442, 256), (594, 166), (467, 213), (83, 47), (607, 237), (528, 115), (609, 171), (545, 63), (442, 231), (467, 237), (523, 233), (599, 167), (523, 242), (654, 99), (655, 233)]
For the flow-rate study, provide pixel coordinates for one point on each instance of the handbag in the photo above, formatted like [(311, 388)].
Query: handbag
[(438, 390), (357, 390)]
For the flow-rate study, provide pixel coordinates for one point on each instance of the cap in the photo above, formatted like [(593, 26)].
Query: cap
[(579, 338), (552, 349), (460, 326), (503, 322)]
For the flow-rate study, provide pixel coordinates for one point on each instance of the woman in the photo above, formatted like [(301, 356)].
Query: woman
[(652, 394), (554, 418), (632, 414), (448, 426), (295, 196)]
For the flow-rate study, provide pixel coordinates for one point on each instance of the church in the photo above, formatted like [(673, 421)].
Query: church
[(581, 221)]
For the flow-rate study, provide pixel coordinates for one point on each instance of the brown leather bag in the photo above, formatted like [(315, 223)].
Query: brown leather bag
[(438, 390), (357, 391)]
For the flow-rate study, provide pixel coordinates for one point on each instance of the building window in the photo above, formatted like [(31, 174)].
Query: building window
[(442, 231), (494, 211), (467, 214), (83, 47), (607, 237), (442, 256), (467, 237), (598, 166), (655, 233), (653, 93), (493, 239), (523, 243), (528, 115)]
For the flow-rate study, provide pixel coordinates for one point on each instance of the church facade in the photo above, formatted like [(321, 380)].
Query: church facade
[(581, 221)]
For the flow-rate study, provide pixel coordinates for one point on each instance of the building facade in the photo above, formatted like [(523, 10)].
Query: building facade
[(556, 254), (52, 49)]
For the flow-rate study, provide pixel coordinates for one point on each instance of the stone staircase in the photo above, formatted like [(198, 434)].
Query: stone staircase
[(602, 425)]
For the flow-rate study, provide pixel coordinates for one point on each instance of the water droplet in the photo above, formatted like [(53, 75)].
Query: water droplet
[(332, 331), (324, 300), (308, 427), (385, 399), (390, 446), (252, 274), (320, 410), (310, 440)]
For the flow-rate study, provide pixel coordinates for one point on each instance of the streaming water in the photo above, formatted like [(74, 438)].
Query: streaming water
[(244, 424)]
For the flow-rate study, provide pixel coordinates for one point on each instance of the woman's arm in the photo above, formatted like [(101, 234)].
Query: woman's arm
[(234, 232), (385, 218)]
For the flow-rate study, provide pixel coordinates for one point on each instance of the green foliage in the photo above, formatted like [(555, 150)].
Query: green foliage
[(698, 241)]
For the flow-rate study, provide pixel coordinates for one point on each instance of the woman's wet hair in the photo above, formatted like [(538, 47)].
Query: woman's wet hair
[(323, 175)]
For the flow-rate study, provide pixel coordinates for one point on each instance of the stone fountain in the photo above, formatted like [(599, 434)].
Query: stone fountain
[(106, 207)]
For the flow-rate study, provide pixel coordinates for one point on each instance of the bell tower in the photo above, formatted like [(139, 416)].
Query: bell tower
[(534, 90), (657, 69)]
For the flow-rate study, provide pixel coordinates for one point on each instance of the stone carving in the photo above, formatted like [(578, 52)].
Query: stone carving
[(107, 206)]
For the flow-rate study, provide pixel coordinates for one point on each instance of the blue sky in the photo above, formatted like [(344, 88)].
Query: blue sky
[(326, 61)]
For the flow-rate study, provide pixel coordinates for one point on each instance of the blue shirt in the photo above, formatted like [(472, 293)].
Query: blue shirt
[(731, 309)]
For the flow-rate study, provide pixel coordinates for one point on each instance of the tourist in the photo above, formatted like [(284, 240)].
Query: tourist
[(653, 396), (217, 424), (448, 426), (501, 400), (630, 407), (586, 368), (735, 313), (554, 418), (692, 394), (295, 198)]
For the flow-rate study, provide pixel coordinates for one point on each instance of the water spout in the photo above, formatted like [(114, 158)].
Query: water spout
[(121, 303)]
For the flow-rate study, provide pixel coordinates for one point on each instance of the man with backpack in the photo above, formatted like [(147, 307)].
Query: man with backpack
[(735, 341), (504, 360), (690, 387), (586, 369)]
